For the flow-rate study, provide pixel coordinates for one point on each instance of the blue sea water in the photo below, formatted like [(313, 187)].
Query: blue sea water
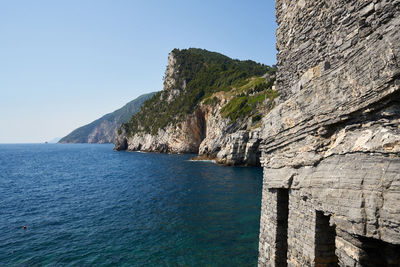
[(89, 205)]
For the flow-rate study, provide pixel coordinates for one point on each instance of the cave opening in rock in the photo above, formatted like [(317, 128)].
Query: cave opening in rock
[(325, 236), (282, 227)]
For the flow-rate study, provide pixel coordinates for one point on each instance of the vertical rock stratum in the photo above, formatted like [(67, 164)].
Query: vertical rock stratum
[(330, 149)]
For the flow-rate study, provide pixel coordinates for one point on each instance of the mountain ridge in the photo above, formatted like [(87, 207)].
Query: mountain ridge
[(103, 129)]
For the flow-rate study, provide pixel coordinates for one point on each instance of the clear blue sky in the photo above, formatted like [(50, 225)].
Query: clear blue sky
[(66, 63)]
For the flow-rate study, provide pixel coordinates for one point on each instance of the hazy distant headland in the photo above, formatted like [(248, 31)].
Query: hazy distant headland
[(103, 130)]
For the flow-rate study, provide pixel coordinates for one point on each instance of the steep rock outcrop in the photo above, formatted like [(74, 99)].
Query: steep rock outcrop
[(330, 149), (212, 116), (227, 143), (184, 137)]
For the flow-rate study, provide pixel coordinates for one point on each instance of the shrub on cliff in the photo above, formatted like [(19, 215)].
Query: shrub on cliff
[(204, 73)]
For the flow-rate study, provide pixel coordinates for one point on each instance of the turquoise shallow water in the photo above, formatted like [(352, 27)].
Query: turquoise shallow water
[(89, 205)]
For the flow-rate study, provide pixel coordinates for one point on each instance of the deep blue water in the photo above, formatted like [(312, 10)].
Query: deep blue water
[(89, 205)]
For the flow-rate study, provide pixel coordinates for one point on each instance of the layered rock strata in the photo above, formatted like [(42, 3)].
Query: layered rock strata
[(330, 149)]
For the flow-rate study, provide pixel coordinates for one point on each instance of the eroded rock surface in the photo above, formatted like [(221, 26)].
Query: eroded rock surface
[(330, 149)]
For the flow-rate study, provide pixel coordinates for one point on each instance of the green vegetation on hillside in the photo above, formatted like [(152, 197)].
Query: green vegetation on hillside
[(256, 95), (204, 73)]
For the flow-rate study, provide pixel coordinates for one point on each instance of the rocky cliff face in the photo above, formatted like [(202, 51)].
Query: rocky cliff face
[(207, 128), (227, 143), (182, 138), (104, 130), (330, 149)]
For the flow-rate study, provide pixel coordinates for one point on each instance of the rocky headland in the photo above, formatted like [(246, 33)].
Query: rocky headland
[(210, 104)]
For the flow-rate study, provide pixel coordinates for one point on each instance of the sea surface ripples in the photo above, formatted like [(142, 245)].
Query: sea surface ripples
[(89, 205)]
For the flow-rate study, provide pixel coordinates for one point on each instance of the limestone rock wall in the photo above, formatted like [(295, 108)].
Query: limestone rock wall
[(228, 143), (184, 137), (354, 42), (332, 146)]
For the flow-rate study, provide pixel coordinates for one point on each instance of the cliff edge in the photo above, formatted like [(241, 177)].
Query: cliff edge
[(210, 104)]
